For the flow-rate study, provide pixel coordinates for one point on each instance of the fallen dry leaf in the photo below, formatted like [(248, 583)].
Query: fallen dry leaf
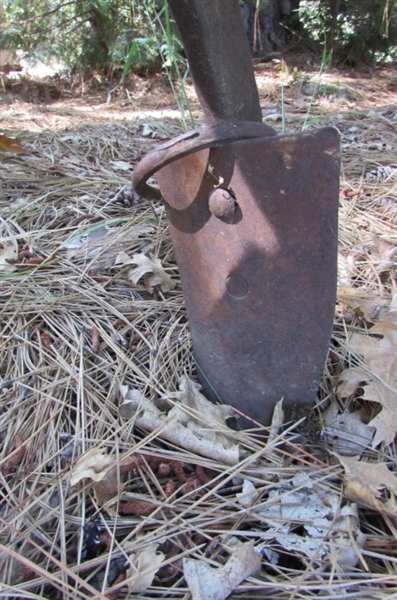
[(191, 407), (90, 241), (249, 494), (364, 304), (372, 484), (102, 470), (198, 427), (382, 253), (379, 379), (276, 424), (376, 253), (7, 252), (148, 131), (349, 381), (9, 144), (209, 583), (346, 269), (153, 270), (121, 165), (123, 259), (144, 565), (320, 517), (133, 400), (346, 433), (385, 422)]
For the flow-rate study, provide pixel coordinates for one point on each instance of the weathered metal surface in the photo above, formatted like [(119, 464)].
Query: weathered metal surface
[(253, 219), (259, 289)]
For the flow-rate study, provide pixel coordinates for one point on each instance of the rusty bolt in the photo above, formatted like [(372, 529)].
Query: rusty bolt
[(222, 204)]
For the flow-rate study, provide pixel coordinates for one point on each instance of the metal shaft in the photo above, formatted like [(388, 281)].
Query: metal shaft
[(216, 46)]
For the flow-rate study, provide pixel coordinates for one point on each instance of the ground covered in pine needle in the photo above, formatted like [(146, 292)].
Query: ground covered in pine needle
[(116, 478)]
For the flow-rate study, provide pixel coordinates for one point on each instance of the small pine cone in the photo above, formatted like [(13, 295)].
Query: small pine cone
[(164, 469), (121, 321), (35, 260), (139, 508), (169, 488), (131, 465), (95, 340), (201, 475), (27, 572), (25, 254), (154, 461), (191, 484), (46, 340), (106, 540), (17, 456), (180, 474)]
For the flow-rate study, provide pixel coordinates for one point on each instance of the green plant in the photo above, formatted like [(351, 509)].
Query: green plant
[(325, 61), (128, 64), (281, 65), (170, 50), (356, 30)]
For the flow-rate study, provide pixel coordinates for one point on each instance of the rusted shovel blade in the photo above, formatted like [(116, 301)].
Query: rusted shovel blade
[(259, 287), (259, 278)]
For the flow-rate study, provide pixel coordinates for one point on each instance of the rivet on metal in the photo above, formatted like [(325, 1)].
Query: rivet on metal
[(237, 286), (222, 204)]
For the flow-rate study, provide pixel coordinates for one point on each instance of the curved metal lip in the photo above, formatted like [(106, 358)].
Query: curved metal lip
[(208, 136)]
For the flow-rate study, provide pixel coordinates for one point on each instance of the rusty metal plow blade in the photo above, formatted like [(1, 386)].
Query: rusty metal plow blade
[(253, 219)]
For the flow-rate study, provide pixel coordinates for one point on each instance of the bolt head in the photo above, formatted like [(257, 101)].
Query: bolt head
[(222, 204)]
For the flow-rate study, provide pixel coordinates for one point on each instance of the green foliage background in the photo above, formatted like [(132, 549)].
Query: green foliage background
[(97, 35), (353, 30), (85, 35)]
